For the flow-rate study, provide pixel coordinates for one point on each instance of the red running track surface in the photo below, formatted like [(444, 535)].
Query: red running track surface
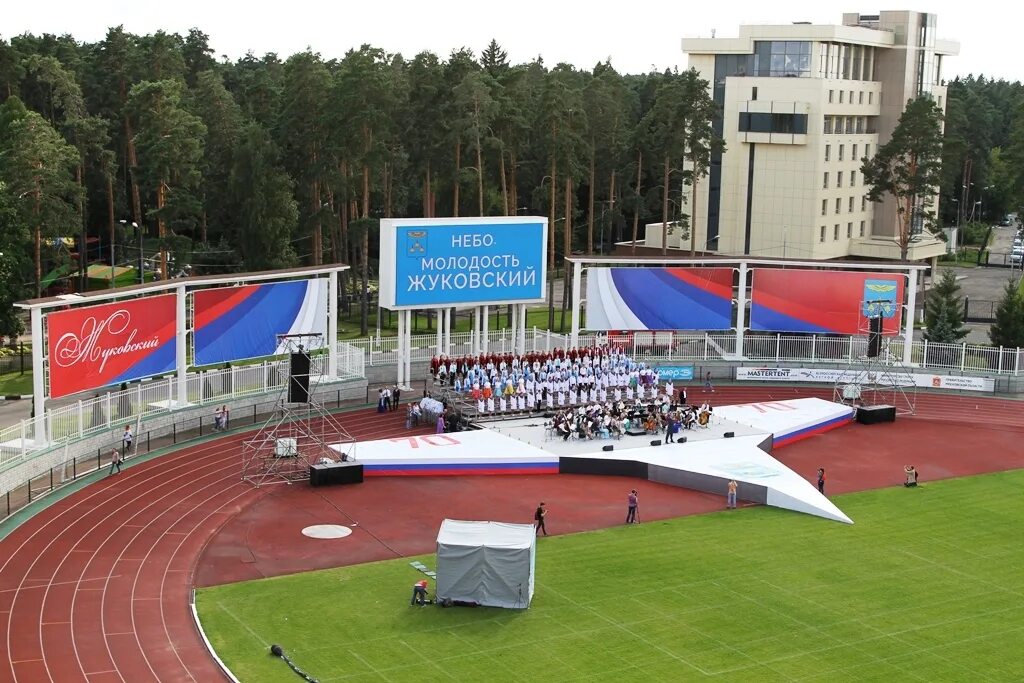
[(96, 586)]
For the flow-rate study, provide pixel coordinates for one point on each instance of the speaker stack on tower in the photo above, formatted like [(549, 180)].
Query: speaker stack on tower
[(298, 377), (875, 337)]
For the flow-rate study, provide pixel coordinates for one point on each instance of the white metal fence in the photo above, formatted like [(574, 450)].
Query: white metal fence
[(111, 410), (710, 347)]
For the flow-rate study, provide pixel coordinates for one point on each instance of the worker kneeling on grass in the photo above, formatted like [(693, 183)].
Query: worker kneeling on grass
[(419, 593)]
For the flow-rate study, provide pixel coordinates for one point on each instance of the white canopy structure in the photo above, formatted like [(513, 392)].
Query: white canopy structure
[(489, 563)]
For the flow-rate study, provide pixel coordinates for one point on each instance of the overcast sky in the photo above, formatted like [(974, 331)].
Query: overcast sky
[(637, 35)]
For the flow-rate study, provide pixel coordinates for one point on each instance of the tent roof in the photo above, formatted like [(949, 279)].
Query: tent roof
[(456, 532)]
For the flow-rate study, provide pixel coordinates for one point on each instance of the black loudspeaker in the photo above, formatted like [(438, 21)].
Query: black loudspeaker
[(869, 415), (656, 442), (729, 435), (336, 473), (681, 439), (607, 448), (875, 338), (298, 378)]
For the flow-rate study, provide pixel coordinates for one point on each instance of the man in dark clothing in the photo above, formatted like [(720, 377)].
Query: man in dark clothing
[(821, 480), (538, 517)]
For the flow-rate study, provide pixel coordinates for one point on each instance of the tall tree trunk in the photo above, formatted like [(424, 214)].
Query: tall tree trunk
[(428, 195), (39, 243), (111, 218), (513, 189), (504, 182), (551, 246), (566, 249), (202, 224), (636, 207), (664, 209), (458, 172), (693, 217), (479, 175), (590, 201), (366, 192), (317, 236), (161, 228), (83, 246), (364, 259), (611, 206), (132, 160)]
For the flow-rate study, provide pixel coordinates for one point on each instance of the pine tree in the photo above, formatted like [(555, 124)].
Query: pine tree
[(1008, 328), (944, 316)]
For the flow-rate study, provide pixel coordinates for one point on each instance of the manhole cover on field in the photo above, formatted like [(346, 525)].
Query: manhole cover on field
[(326, 531)]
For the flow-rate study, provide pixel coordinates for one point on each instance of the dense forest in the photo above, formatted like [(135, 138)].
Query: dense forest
[(149, 143)]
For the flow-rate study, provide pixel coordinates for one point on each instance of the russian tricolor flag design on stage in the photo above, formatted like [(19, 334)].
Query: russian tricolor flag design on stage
[(659, 298)]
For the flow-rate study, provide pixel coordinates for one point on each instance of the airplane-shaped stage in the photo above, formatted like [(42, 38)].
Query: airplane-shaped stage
[(706, 461)]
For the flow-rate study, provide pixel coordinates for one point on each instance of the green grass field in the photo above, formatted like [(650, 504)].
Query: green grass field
[(927, 585)]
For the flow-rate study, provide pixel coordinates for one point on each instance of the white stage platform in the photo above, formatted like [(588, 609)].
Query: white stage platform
[(706, 462)]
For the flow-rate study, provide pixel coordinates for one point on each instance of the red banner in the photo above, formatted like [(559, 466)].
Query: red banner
[(107, 344)]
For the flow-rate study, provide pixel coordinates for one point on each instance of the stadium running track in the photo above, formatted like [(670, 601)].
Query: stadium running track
[(96, 587)]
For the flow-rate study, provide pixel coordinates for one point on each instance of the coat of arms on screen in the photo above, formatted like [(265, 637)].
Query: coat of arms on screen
[(880, 298), (416, 243)]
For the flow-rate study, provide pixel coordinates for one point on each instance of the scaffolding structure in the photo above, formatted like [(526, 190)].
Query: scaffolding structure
[(880, 378), (296, 435)]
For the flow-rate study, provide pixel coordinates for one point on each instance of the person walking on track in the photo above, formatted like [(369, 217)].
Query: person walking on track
[(115, 461), (730, 501), (538, 517), (126, 441)]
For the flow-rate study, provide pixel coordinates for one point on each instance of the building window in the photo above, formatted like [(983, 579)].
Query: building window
[(940, 101), (824, 184), (753, 93), (841, 93), (824, 207), (841, 152), (823, 233), (839, 125), (851, 97), (861, 124), (781, 58), (853, 182), (849, 231), (756, 122), (864, 203), (871, 97), (828, 152), (867, 151), (828, 125), (839, 179), (835, 233), (831, 94), (849, 124), (853, 153), (862, 228), (850, 205), (860, 97), (839, 204)]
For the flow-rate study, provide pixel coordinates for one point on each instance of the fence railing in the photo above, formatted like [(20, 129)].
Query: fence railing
[(710, 347), (114, 409)]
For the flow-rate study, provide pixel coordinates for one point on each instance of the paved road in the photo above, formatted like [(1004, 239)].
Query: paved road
[(12, 412)]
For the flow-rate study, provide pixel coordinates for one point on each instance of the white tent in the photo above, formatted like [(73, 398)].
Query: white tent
[(490, 563)]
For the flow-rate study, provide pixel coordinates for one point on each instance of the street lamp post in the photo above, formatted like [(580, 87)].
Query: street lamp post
[(142, 262)]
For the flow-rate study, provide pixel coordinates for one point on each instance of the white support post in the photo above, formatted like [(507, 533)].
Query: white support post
[(332, 324), (402, 350), (38, 377), (908, 317), (180, 346), (574, 323), (522, 328), (486, 327), (741, 310), (447, 331), (476, 331), (514, 325), (408, 348), (440, 332)]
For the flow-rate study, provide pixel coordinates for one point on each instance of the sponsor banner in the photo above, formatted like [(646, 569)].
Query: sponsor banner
[(659, 299), (466, 262), (236, 323), (831, 376), (825, 301), (675, 372), (97, 346)]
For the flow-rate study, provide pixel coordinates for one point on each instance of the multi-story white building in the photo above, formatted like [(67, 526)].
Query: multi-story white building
[(801, 105)]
